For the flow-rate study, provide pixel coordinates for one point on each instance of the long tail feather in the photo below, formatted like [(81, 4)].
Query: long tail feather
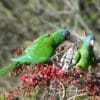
[(22, 58), (8, 68)]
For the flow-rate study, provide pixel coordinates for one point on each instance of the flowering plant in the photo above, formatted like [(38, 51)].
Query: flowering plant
[(48, 81)]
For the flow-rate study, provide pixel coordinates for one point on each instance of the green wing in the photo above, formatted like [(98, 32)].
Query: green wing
[(37, 54), (38, 51), (93, 59), (40, 39), (77, 58)]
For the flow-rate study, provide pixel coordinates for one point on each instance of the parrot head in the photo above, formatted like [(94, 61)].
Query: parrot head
[(65, 33), (89, 40), (61, 35)]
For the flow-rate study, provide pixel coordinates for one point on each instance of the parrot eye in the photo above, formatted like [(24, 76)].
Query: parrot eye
[(66, 35)]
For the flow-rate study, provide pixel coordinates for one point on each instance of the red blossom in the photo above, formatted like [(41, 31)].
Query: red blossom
[(91, 94), (24, 77), (89, 79), (42, 74), (93, 88), (83, 89)]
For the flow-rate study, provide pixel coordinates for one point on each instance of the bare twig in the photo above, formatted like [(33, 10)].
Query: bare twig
[(63, 87), (73, 97)]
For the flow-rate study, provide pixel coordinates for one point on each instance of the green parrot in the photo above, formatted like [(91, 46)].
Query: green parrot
[(85, 56), (40, 50)]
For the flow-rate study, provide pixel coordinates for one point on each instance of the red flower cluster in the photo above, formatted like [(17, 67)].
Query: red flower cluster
[(42, 74), (92, 86), (18, 70)]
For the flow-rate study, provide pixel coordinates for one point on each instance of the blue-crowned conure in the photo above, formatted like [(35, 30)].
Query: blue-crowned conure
[(40, 50), (85, 56)]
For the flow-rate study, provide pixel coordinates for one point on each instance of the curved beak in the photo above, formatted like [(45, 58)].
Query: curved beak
[(92, 43)]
